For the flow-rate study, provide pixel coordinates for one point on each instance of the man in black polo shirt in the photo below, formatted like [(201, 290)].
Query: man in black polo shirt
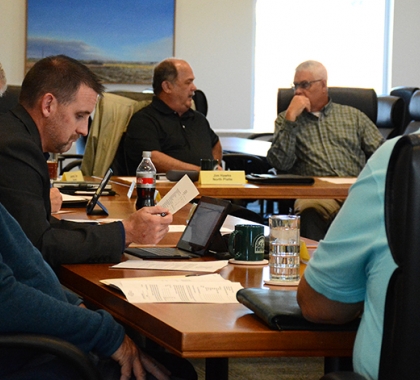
[(177, 136)]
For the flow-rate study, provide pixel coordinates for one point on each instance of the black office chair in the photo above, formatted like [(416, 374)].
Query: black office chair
[(247, 162), (413, 113), (364, 99), (401, 332), (390, 116), (10, 98), (67, 352), (404, 92), (200, 101), (250, 164)]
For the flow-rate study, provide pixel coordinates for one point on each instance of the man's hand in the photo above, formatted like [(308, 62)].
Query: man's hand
[(133, 361), (147, 225), (56, 199), (296, 107)]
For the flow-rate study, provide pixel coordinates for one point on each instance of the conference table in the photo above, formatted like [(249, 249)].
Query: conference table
[(215, 332), (322, 188)]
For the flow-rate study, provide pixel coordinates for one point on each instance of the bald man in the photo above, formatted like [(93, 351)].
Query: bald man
[(177, 135)]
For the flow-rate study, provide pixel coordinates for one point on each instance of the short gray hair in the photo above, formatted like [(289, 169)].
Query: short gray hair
[(315, 67), (3, 81)]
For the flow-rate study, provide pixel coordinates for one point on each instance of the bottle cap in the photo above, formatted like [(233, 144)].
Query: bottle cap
[(147, 154)]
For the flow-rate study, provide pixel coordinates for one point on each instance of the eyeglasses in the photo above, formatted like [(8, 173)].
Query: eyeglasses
[(304, 85)]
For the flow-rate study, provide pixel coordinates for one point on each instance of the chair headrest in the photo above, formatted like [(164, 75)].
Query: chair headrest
[(414, 106)]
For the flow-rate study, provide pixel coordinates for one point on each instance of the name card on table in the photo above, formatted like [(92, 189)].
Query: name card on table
[(76, 176), (222, 177)]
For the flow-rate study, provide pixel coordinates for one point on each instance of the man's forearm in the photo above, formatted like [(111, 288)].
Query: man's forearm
[(319, 309)]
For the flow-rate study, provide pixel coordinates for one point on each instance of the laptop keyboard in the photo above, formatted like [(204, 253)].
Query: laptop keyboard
[(157, 252), (162, 251)]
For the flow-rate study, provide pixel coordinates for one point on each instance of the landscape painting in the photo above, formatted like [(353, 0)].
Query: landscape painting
[(120, 40)]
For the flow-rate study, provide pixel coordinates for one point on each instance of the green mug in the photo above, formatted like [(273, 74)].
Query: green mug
[(246, 243)]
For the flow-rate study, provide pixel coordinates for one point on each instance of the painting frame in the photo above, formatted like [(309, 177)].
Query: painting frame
[(121, 44)]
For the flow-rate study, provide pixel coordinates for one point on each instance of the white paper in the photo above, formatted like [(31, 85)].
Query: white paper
[(174, 289), (68, 198), (183, 192), (338, 180), (187, 266)]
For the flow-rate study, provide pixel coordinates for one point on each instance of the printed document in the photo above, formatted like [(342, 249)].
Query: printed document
[(183, 192), (187, 266), (211, 288)]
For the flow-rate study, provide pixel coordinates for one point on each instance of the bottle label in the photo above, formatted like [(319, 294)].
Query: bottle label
[(146, 181)]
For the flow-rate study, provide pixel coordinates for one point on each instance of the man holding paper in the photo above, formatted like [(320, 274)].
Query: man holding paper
[(58, 94)]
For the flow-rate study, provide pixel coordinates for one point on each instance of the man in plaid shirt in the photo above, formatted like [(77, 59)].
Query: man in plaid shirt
[(317, 137)]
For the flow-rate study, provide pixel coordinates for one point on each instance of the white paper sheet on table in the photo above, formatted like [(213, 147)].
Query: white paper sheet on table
[(211, 288), (339, 180), (187, 266)]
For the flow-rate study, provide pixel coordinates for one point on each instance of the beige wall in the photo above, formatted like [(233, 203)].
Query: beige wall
[(217, 37)]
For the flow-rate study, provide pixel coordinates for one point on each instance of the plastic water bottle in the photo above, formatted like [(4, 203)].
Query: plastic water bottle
[(146, 182)]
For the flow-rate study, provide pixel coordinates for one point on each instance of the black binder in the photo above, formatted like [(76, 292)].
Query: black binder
[(280, 179), (280, 311)]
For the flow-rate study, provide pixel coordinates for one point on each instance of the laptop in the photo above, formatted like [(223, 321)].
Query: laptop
[(201, 236)]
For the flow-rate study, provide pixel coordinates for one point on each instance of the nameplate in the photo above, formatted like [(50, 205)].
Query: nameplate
[(222, 177), (75, 176)]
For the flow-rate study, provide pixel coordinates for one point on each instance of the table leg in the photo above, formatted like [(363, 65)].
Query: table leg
[(217, 368), (334, 364)]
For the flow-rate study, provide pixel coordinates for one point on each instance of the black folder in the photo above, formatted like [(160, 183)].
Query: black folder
[(280, 179), (280, 311)]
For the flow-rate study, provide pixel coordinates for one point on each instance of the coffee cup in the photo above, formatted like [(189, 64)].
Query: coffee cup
[(246, 242), (209, 164)]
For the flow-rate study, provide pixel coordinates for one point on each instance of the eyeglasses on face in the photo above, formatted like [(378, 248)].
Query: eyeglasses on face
[(304, 85)]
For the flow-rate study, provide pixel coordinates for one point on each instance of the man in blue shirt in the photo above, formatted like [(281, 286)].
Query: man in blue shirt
[(350, 270)]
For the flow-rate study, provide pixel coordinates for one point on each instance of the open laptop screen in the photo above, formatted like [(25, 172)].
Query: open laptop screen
[(206, 221)]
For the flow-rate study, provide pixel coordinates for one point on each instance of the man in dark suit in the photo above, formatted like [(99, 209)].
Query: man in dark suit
[(58, 94)]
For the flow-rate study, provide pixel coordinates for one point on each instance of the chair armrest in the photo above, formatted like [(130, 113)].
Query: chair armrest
[(66, 351)]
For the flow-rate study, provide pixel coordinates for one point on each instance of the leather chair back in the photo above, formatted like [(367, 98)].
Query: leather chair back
[(414, 113), (10, 98), (364, 99), (401, 335), (404, 92), (390, 116)]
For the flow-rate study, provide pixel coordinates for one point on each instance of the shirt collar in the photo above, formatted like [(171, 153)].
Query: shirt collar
[(162, 107)]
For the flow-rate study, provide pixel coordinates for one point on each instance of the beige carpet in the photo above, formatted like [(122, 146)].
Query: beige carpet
[(269, 368)]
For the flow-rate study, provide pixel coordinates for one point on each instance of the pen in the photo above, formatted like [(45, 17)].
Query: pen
[(163, 214)]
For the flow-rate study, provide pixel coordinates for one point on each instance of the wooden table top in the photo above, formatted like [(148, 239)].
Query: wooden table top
[(320, 189), (196, 330)]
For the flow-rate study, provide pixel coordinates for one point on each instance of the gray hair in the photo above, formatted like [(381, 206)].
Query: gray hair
[(315, 67), (3, 81)]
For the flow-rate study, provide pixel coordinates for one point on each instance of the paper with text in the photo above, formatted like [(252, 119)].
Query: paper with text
[(183, 192), (174, 289), (187, 266)]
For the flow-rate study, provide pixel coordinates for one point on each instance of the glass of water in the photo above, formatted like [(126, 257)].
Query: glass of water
[(284, 256)]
